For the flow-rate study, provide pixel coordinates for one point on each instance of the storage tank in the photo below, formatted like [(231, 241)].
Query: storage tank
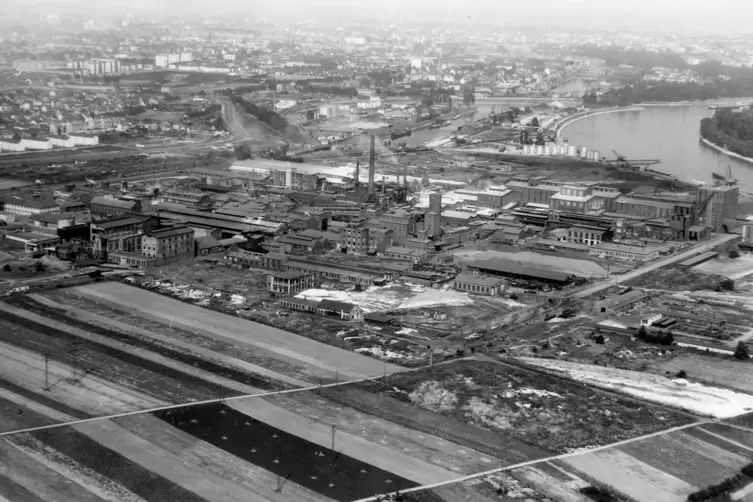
[(572, 150), (548, 149), (584, 152), (539, 150), (597, 155), (563, 149), (526, 148), (555, 149), (748, 233)]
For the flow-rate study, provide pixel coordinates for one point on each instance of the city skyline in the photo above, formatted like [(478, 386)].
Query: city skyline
[(705, 16)]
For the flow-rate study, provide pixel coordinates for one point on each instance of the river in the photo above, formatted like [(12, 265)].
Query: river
[(668, 133)]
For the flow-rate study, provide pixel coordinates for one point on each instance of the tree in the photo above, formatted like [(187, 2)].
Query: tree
[(741, 351), (7, 268), (734, 254), (242, 151), (535, 122), (642, 332), (39, 266)]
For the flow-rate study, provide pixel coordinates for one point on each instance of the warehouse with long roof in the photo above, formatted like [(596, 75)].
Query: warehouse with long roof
[(515, 270)]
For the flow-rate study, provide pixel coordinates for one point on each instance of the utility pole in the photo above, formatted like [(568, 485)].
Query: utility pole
[(333, 437), (46, 372)]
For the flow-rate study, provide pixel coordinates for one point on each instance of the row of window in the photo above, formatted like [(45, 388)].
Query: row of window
[(473, 287)]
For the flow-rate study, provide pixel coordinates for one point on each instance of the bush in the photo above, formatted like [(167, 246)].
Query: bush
[(734, 254), (39, 266), (741, 352), (7, 268), (681, 374)]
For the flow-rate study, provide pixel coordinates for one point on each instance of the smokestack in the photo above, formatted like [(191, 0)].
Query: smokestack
[(384, 183), (372, 158), (358, 172)]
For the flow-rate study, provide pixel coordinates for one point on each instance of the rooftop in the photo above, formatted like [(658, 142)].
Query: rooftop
[(514, 267), (479, 280)]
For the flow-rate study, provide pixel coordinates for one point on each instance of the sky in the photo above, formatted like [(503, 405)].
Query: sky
[(709, 15)]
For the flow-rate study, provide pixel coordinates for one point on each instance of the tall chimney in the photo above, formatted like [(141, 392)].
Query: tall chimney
[(372, 158), (384, 183), (358, 172)]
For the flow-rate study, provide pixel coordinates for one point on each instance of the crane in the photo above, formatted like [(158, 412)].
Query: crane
[(635, 162), (621, 159), (705, 202)]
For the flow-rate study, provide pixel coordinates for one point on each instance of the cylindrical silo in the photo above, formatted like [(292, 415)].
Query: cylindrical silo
[(572, 150), (584, 152), (748, 232)]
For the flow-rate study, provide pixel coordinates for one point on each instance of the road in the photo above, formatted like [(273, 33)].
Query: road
[(716, 240)]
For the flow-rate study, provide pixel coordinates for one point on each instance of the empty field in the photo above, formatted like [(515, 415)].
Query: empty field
[(713, 370), (631, 476), (308, 352), (152, 331), (686, 457)]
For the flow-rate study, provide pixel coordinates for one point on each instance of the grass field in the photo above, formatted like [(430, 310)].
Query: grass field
[(152, 331), (221, 326), (726, 372), (686, 457), (631, 476)]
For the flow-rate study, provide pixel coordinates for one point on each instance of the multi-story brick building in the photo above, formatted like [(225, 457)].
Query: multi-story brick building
[(168, 244)]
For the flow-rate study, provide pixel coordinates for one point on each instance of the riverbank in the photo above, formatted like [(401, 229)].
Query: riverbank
[(726, 152), (558, 128)]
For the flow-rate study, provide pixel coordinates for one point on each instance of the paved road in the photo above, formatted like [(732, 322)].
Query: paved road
[(715, 241)]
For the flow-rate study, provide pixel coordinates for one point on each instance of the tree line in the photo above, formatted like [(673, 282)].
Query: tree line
[(731, 129), (672, 92), (269, 117)]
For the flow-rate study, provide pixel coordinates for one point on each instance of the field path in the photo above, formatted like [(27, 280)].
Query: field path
[(731, 441), (91, 394), (380, 456), (169, 466), (432, 449), (207, 354), (216, 461), (143, 353), (40, 480), (302, 349)]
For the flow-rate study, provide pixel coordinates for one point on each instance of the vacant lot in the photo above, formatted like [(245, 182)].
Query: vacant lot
[(536, 409), (698, 398), (733, 268), (221, 326)]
